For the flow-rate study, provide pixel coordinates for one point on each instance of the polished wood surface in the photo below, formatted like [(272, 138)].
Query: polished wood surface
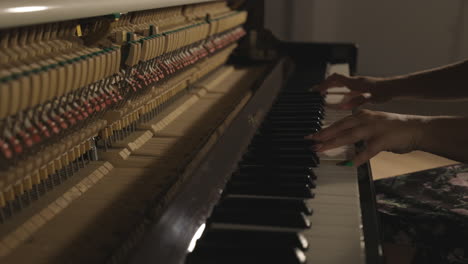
[(387, 164)]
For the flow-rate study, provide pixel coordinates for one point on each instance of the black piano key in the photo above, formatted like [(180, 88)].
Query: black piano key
[(293, 134), (298, 108), (278, 190), (229, 237), (287, 130), (272, 172), (256, 168), (297, 150), (287, 219), (280, 125), (305, 113), (263, 171), (262, 204), (296, 119), (270, 158), (287, 123), (287, 93), (281, 141), (299, 99), (293, 104), (294, 114), (275, 178), (237, 255), (304, 97), (312, 107), (282, 150)]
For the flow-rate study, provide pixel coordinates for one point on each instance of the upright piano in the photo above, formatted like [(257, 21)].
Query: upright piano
[(158, 131)]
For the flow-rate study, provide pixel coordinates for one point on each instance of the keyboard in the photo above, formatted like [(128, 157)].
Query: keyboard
[(280, 202)]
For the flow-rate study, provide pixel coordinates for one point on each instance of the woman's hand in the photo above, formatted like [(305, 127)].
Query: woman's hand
[(379, 130), (363, 89)]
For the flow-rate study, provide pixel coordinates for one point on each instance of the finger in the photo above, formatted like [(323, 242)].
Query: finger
[(355, 102), (374, 146), (335, 128), (347, 137), (334, 80), (337, 80)]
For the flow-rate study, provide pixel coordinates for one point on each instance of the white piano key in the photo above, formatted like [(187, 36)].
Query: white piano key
[(336, 234), (341, 68)]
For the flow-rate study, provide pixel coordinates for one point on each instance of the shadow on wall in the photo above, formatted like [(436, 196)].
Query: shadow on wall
[(394, 37)]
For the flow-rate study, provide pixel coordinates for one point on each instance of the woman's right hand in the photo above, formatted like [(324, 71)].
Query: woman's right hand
[(379, 130), (363, 89)]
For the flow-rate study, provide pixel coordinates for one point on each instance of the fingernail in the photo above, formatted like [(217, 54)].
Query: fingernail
[(347, 163)]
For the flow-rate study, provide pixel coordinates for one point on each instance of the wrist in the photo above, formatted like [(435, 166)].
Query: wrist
[(422, 127), (436, 132), (393, 87)]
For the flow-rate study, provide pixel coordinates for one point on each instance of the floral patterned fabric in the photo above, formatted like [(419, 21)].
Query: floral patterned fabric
[(427, 210)]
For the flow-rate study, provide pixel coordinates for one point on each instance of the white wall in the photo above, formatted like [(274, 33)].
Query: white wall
[(394, 37)]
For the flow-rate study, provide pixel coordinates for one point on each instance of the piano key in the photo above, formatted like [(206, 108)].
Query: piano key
[(292, 123), (296, 113), (285, 126), (297, 108), (239, 254), (287, 142), (271, 158), (250, 216), (297, 118), (287, 130), (299, 99), (284, 190), (283, 135), (262, 203), (271, 177), (275, 168), (293, 150), (283, 150), (216, 236), (336, 234)]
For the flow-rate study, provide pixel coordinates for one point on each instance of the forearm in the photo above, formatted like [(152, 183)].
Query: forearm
[(445, 136), (447, 82)]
